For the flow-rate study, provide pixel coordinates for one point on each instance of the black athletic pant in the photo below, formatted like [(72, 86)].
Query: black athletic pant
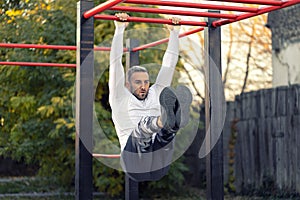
[(151, 161)]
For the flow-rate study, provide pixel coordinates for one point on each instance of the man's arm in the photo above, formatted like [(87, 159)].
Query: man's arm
[(116, 70), (170, 59)]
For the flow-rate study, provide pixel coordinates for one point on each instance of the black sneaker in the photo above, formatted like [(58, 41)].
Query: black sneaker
[(185, 98), (169, 104)]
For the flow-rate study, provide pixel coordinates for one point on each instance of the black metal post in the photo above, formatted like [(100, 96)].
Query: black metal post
[(131, 189), (214, 160), (132, 59), (84, 103)]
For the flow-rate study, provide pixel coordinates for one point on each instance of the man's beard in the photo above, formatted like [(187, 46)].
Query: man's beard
[(139, 98)]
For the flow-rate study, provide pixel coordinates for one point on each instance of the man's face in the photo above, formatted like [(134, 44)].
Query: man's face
[(139, 85)]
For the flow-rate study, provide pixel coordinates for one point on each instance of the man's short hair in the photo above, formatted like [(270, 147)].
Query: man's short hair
[(134, 69)]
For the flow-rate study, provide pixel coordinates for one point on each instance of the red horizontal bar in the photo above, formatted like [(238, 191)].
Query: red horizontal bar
[(249, 15), (101, 8), (105, 49), (173, 12), (151, 20), (37, 46), (191, 32), (260, 2), (165, 40), (193, 5), (41, 46), (38, 64), (98, 155)]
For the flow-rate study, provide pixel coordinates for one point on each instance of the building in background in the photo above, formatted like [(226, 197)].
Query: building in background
[(284, 25)]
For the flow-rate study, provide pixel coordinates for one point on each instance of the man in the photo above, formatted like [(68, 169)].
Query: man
[(146, 118)]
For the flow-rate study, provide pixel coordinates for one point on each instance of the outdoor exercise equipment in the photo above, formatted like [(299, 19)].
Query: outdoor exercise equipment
[(84, 80), (86, 17)]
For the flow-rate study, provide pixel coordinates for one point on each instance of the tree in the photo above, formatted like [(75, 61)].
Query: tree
[(36, 103), (246, 53), (248, 60)]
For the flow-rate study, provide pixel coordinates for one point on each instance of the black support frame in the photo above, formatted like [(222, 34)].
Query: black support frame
[(84, 103), (214, 160), (132, 59)]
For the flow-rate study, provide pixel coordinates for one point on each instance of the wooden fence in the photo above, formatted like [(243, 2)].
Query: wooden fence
[(262, 141)]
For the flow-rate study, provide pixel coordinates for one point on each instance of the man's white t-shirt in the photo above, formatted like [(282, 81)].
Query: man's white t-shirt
[(127, 110)]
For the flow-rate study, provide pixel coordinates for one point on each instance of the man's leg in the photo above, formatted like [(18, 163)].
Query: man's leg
[(175, 115), (151, 163), (163, 148), (137, 156)]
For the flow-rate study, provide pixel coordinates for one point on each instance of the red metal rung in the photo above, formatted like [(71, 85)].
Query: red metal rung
[(99, 155), (260, 2), (101, 8), (142, 47), (193, 5), (262, 10), (38, 64), (173, 12), (37, 46), (151, 20), (44, 46)]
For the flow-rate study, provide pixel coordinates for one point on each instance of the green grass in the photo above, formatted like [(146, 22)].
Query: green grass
[(36, 188), (27, 185), (39, 198), (56, 197), (33, 188)]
